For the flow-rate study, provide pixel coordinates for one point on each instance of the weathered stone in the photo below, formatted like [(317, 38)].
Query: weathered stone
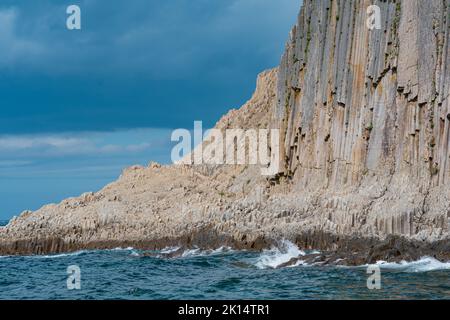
[(365, 168)]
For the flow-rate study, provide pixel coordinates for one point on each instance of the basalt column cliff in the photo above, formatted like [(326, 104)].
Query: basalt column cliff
[(364, 117)]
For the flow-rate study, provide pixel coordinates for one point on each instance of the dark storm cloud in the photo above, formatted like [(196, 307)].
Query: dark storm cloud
[(135, 63)]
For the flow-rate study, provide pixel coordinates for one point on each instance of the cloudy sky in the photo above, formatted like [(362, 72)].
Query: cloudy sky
[(78, 106)]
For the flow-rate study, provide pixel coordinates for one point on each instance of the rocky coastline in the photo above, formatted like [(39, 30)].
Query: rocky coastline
[(327, 249), (364, 175)]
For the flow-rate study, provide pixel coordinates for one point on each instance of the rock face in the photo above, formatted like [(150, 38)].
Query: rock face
[(364, 117), (366, 114)]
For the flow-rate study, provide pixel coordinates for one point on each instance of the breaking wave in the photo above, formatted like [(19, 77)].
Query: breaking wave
[(424, 264), (285, 252), (62, 255), (170, 250), (122, 249)]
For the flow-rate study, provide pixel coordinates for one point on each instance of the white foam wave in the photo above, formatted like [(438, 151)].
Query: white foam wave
[(424, 264), (77, 253), (170, 250), (192, 253), (52, 256), (196, 252), (134, 253), (122, 249), (283, 253)]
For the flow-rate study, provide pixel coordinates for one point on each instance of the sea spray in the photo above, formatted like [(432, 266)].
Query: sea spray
[(284, 252)]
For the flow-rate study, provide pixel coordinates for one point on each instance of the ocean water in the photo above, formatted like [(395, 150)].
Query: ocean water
[(214, 274)]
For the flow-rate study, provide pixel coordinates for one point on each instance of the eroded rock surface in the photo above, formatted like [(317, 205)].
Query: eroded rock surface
[(365, 170), (366, 115)]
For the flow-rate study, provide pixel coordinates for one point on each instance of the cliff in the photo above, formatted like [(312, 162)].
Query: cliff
[(366, 113), (364, 119)]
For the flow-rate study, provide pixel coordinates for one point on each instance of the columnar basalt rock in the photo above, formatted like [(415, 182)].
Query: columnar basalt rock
[(365, 113), (364, 117)]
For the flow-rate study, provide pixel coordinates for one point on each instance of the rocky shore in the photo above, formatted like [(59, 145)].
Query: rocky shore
[(364, 175)]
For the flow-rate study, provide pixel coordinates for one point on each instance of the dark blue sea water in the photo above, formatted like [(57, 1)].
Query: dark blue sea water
[(218, 274)]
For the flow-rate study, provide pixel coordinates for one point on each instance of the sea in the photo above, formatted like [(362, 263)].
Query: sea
[(126, 273)]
